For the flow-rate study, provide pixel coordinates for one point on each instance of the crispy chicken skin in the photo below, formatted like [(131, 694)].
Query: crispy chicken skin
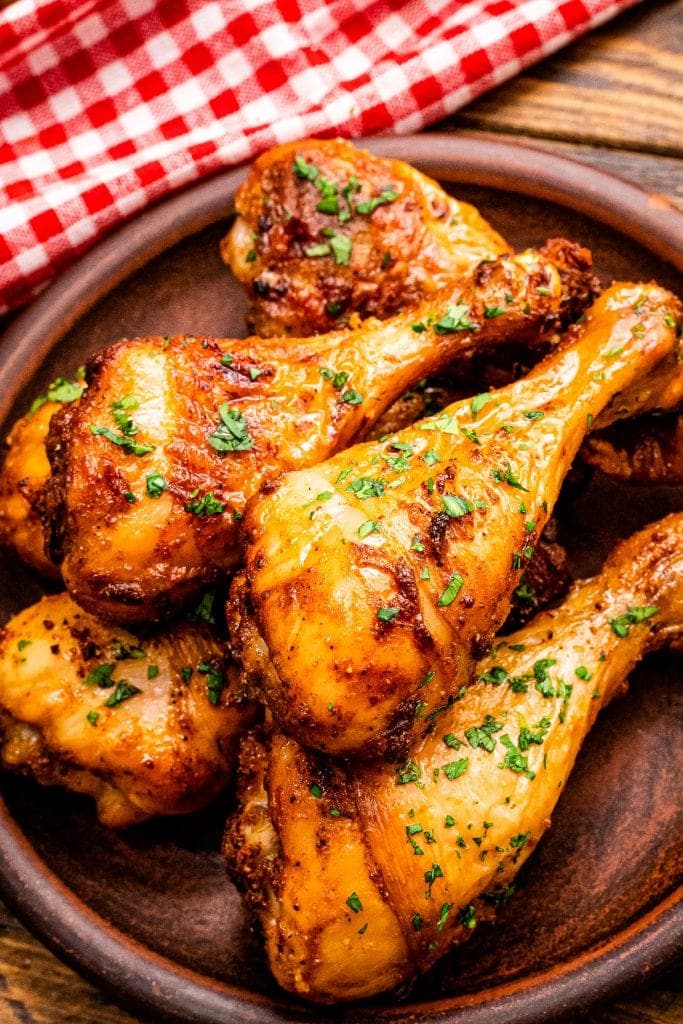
[(151, 470), (416, 543), (364, 877), (406, 238), (130, 722), (644, 452)]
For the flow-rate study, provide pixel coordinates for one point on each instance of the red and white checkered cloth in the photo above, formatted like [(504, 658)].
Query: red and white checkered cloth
[(107, 105)]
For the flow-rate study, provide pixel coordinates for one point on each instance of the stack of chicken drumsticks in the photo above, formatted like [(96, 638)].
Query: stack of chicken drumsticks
[(378, 531)]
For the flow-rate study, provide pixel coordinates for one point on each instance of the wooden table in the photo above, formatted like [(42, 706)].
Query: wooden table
[(615, 100)]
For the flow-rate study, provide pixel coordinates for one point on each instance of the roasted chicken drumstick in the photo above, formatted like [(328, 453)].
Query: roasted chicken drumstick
[(325, 230), (391, 565), (364, 877), (152, 468), (145, 727)]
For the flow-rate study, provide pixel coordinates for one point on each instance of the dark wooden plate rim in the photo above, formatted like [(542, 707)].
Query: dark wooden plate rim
[(131, 971)]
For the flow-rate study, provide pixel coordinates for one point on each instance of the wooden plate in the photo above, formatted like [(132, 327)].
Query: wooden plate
[(149, 914)]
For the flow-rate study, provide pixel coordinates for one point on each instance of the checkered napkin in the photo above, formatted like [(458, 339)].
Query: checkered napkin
[(107, 105)]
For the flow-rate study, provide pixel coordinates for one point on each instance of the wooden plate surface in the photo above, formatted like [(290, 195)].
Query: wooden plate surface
[(149, 914)]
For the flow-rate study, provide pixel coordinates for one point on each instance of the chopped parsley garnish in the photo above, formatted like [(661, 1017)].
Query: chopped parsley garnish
[(368, 527), (122, 441), (186, 673), (533, 414), (214, 680), (304, 170), (315, 790), (491, 312), (582, 672), (92, 717), (23, 644), (338, 379), (455, 319), (515, 760), (204, 609), (416, 922), (495, 675), (207, 505), (387, 614), (416, 544), (452, 590), (471, 435), (621, 626), (60, 390), (527, 736), (520, 840), (351, 397), (124, 690), (156, 484), (482, 735), (508, 477), (468, 916), (226, 360), (455, 506), (321, 249), (232, 433), (431, 457), (101, 676), (443, 914), (387, 195), (354, 903), (152, 671), (431, 875), (543, 683), (478, 403), (365, 487), (410, 772), (455, 769)]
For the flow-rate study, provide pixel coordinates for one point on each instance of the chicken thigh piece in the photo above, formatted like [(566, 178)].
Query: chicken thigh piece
[(364, 877), (145, 727), (325, 230), (25, 472), (151, 470), (391, 565)]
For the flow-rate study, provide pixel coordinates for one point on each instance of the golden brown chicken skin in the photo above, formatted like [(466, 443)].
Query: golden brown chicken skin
[(145, 726), (325, 230), (153, 467), (364, 877), (24, 474), (392, 563)]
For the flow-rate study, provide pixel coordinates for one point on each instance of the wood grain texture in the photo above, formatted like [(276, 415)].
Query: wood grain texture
[(614, 100), (621, 86)]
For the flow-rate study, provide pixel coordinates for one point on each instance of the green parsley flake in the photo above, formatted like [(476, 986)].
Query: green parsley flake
[(387, 614), (232, 433), (354, 903), (207, 505), (455, 769), (456, 319), (92, 717), (315, 790), (452, 590), (621, 626), (455, 506), (478, 403), (387, 195), (214, 680), (368, 527), (156, 484), (101, 676), (124, 690), (482, 735)]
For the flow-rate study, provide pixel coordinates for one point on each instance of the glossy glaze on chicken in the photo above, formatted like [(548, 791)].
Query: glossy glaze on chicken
[(152, 468), (393, 562), (328, 233), (364, 876)]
